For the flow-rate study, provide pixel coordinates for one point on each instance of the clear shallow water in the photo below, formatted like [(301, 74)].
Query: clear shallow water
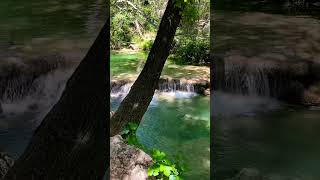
[(261, 133), (178, 124)]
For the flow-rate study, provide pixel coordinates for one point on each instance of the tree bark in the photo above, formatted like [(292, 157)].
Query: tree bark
[(72, 141), (135, 104)]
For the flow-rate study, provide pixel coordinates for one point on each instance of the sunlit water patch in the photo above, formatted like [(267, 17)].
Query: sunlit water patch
[(177, 123)]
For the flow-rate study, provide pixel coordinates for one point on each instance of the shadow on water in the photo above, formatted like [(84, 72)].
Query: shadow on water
[(30, 30), (270, 53), (177, 123), (276, 138)]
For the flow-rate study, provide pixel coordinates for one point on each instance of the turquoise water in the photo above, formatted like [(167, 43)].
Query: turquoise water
[(178, 124)]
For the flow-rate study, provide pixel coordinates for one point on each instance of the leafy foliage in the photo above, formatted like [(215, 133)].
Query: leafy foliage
[(192, 52), (146, 45), (162, 168), (129, 135), (132, 20)]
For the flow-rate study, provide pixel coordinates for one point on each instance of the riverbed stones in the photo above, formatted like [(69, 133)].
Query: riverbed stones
[(6, 162), (127, 162)]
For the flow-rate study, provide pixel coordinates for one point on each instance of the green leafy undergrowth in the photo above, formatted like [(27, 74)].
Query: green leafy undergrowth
[(162, 168), (129, 135)]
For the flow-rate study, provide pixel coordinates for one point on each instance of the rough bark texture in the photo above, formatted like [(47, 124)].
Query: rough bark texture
[(137, 101), (72, 140)]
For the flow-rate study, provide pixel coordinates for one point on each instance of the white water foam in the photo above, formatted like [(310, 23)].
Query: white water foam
[(46, 92), (227, 104)]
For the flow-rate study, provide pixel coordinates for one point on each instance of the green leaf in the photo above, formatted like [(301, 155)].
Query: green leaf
[(156, 172), (158, 155), (172, 177), (150, 172), (133, 126), (166, 170)]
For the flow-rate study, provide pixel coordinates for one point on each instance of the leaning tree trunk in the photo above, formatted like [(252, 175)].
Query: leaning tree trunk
[(135, 104), (71, 143)]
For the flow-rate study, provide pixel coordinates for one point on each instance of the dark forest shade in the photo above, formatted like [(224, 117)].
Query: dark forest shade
[(72, 141)]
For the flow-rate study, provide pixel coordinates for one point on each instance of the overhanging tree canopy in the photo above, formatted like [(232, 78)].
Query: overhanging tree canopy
[(135, 104)]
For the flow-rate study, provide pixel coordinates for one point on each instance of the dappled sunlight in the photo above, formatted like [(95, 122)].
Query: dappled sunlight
[(180, 126), (128, 66)]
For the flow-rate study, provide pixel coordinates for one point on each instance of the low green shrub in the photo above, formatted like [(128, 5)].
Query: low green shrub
[(162, 168), (146, 45), (195, 52)]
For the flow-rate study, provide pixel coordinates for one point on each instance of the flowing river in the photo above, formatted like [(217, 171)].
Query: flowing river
[(177, 121)]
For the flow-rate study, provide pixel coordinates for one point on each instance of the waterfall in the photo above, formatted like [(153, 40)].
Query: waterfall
[(120, 90), (167, 85), (169, 88), (37, 97), (262, 80), (238, 79)]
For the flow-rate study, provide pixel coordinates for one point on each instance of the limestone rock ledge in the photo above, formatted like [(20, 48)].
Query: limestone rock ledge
[(127, 162)]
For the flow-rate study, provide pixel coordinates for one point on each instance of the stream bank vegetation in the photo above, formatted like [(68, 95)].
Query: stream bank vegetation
[(162, 167), (177, 30), (134, 25)]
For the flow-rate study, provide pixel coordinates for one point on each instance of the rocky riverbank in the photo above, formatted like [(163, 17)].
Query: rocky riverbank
[(127, 162), (269, 55)]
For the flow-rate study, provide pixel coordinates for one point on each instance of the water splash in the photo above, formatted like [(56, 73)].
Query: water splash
[(167, 89), (45, 91), (241, 80)]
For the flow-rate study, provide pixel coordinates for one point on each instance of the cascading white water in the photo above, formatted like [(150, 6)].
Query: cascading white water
[(169, 89), (120, 91), (248, 89), (173, 86), (239, 79), (45, 91)]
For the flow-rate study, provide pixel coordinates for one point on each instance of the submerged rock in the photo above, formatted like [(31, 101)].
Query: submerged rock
[(6, 162), (127, 162)]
